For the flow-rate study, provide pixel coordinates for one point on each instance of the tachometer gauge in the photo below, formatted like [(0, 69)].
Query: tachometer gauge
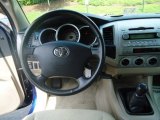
[(87, 35), (68, 32)]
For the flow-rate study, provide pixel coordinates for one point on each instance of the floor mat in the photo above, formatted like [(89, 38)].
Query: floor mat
[(82, 100)]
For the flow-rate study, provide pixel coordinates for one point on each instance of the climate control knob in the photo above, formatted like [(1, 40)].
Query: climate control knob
[(139, 61), (158, 34), (152, 61), (125, 62)]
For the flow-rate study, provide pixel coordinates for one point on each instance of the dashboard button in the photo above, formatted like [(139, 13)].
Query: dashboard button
[(125, 36)]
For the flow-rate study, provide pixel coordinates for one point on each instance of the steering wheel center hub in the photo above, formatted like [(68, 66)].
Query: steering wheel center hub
[(56, 60)]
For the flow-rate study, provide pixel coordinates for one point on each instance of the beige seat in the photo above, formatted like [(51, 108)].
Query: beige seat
[(69, 114)]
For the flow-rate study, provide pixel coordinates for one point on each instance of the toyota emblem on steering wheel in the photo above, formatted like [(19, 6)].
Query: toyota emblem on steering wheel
[(61, 52)]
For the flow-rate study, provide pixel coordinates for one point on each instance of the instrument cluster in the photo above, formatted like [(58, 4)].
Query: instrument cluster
[(68, 32)]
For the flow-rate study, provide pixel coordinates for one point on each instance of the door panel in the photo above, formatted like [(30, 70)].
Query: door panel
[(11, 92)]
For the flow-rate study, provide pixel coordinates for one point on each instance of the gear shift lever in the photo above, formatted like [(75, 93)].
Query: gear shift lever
[(141, 89), (137, 102)]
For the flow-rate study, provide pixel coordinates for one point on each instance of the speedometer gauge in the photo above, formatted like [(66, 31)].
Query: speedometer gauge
[(68, 32), (87, 35)]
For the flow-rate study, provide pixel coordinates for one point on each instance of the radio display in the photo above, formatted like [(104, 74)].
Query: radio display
[(146, 50), (142, 36)]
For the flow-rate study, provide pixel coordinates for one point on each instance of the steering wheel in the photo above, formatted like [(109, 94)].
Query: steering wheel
[(62, 58)]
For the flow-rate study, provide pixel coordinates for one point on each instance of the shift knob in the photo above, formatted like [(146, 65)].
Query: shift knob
[(141, 89)]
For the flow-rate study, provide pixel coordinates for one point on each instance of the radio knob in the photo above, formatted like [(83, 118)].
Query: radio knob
[(125, 36)]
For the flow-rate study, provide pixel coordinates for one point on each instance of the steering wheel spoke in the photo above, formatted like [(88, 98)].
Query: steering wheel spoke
[(95, 51), (41, 79), (81, 81), (29, 51)]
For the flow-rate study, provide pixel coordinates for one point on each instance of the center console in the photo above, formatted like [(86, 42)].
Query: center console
[(135, 100), (133, 57), (140, 46)]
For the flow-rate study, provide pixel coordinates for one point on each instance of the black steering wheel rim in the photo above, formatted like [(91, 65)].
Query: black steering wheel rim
[(23, 56)]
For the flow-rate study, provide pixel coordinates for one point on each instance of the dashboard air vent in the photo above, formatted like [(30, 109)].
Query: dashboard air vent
[(109, 42), (108, 35)]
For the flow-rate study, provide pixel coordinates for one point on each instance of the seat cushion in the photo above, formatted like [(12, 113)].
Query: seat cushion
[(69, 114)]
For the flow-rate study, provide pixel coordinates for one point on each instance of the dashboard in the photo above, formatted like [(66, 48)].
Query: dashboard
[(132, 42)]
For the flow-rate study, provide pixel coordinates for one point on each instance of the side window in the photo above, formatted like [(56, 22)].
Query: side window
[(4, 19)]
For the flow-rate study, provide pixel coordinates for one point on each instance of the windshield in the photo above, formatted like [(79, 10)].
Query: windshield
[(34, 8)]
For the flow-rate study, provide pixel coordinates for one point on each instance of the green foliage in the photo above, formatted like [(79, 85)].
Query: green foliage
[(95, 2), (33, 15), (119, 2), (115, 9), (31, 2), (101, 10), (151, 1)]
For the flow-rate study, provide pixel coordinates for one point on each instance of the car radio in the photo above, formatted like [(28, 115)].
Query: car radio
[(140, 41), (140, 36)]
